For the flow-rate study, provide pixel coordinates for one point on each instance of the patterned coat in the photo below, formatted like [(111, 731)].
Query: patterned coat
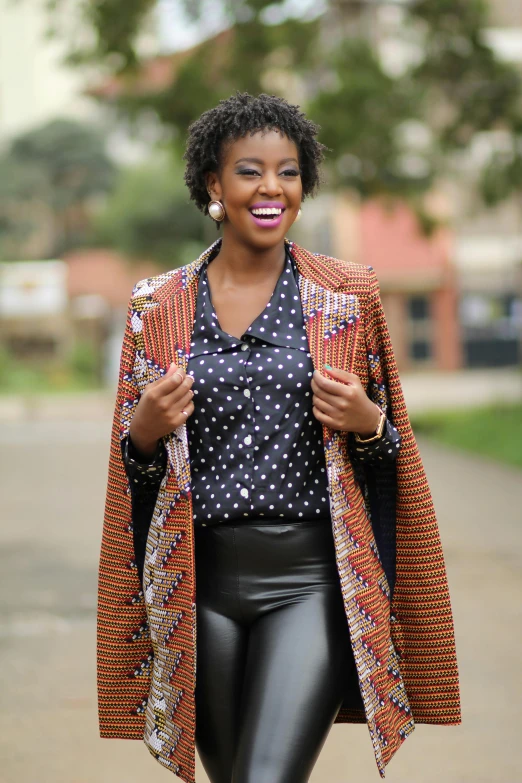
[(389, 557)]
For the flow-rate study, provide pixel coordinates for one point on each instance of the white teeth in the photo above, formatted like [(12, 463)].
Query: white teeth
[(267, 211)]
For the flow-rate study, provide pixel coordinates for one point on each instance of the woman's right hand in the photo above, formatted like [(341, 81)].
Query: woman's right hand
[(164, 405)]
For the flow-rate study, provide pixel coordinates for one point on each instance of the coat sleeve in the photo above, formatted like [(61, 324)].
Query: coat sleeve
[(384, 449), (144, 480), (421, 615), (123, 642), (384, 386), (376, 472)]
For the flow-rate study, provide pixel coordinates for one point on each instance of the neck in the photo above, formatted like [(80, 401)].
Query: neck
[(240, 263)]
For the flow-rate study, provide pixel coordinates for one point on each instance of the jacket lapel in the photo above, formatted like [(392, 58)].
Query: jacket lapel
[(331, 317), (167, 332), (333, 324)]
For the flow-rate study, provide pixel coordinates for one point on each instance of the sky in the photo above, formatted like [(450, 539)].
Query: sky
[(177, 31)]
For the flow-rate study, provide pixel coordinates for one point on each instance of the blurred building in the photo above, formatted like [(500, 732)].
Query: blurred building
[(35, 83), (418, 282), (486, 246), (49, 308), (452, 299), (488, 241), (99, 285), (34, 319), (417, 275)]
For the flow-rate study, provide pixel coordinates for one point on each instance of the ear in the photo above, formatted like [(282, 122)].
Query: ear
[(213, 185)]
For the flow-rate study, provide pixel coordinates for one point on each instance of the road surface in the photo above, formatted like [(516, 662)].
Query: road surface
[(52, 479)]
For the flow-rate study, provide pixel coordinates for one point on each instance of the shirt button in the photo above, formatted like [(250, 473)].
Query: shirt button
[(244, 347), (248, 440), (244, 493), (246, 392)]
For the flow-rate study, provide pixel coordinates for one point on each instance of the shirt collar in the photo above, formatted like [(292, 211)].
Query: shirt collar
[(281, 322)]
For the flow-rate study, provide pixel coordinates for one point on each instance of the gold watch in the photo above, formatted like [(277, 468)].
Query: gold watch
[(378, 431)]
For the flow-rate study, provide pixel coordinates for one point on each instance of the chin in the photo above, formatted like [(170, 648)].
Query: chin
[(263, 238), (268, 242)]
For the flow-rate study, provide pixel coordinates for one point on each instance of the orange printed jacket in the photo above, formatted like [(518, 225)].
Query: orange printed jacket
[(390, 562)]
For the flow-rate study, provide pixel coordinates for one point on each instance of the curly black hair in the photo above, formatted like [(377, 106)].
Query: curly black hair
[(234, 118)]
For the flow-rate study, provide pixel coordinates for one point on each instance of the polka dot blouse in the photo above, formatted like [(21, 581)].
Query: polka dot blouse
[(255, 447)]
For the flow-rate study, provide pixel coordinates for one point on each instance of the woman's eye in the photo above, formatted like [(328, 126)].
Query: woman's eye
[(290, 173), (248, 172)]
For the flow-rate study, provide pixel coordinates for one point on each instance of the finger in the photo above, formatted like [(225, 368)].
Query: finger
[(324, 418), (175, 372), (172, 379), (338, 394), (174, 395), (329, 385), (184, 414), (172, 371), (341, 375), (338, 400), (333, 375), (324, 407), (184, 401)]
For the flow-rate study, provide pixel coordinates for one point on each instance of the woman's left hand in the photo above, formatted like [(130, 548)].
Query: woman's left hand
[(341, 403)]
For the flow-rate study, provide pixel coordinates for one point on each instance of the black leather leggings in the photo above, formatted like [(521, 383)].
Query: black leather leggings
[(273, 649)]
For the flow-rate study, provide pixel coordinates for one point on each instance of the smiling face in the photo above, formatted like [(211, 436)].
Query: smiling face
[(259, 185)]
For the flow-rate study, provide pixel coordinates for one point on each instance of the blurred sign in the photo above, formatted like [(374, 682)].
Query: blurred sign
[(32, 288)]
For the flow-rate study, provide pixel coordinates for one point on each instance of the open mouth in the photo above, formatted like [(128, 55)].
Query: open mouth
[(267, 213)]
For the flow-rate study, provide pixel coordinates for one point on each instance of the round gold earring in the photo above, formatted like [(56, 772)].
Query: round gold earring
[(216, 210), (298, 216)]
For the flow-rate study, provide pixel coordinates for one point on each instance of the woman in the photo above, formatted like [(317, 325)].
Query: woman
[(263, 472)]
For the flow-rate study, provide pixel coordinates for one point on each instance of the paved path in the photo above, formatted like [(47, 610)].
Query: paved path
[(424, 390), (52, 480)]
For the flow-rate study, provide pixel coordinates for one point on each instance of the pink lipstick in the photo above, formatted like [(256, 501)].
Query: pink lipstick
[(267, 214)]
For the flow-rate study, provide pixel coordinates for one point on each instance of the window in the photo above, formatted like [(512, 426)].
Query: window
[(419, 308), (420, 329)]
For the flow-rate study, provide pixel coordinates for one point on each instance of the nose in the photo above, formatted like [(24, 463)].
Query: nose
[(270, 184)]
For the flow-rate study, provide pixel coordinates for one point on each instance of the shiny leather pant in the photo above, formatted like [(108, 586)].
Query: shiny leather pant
[(273, 649)]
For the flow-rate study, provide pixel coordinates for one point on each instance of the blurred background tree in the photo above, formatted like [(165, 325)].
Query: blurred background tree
[(331, 62), (148, 215), (49, 179), (396, 124)]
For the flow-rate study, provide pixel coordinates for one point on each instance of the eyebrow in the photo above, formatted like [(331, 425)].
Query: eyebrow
[(258, 160)]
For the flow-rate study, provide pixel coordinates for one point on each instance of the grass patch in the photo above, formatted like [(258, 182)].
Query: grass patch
[(494, 431), (77, 373)]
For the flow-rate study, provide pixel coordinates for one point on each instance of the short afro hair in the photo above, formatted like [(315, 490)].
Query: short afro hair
[(234, 118)]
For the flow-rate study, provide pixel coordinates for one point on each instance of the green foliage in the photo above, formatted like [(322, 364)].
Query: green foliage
[(47, 178), (70, 159), (494, 431), (84, 361), (501, 177), (19, 185), (361, 97), (461, 72), (240, 60), (28, 377), (114, 27), (149, 216), (457, 87)]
